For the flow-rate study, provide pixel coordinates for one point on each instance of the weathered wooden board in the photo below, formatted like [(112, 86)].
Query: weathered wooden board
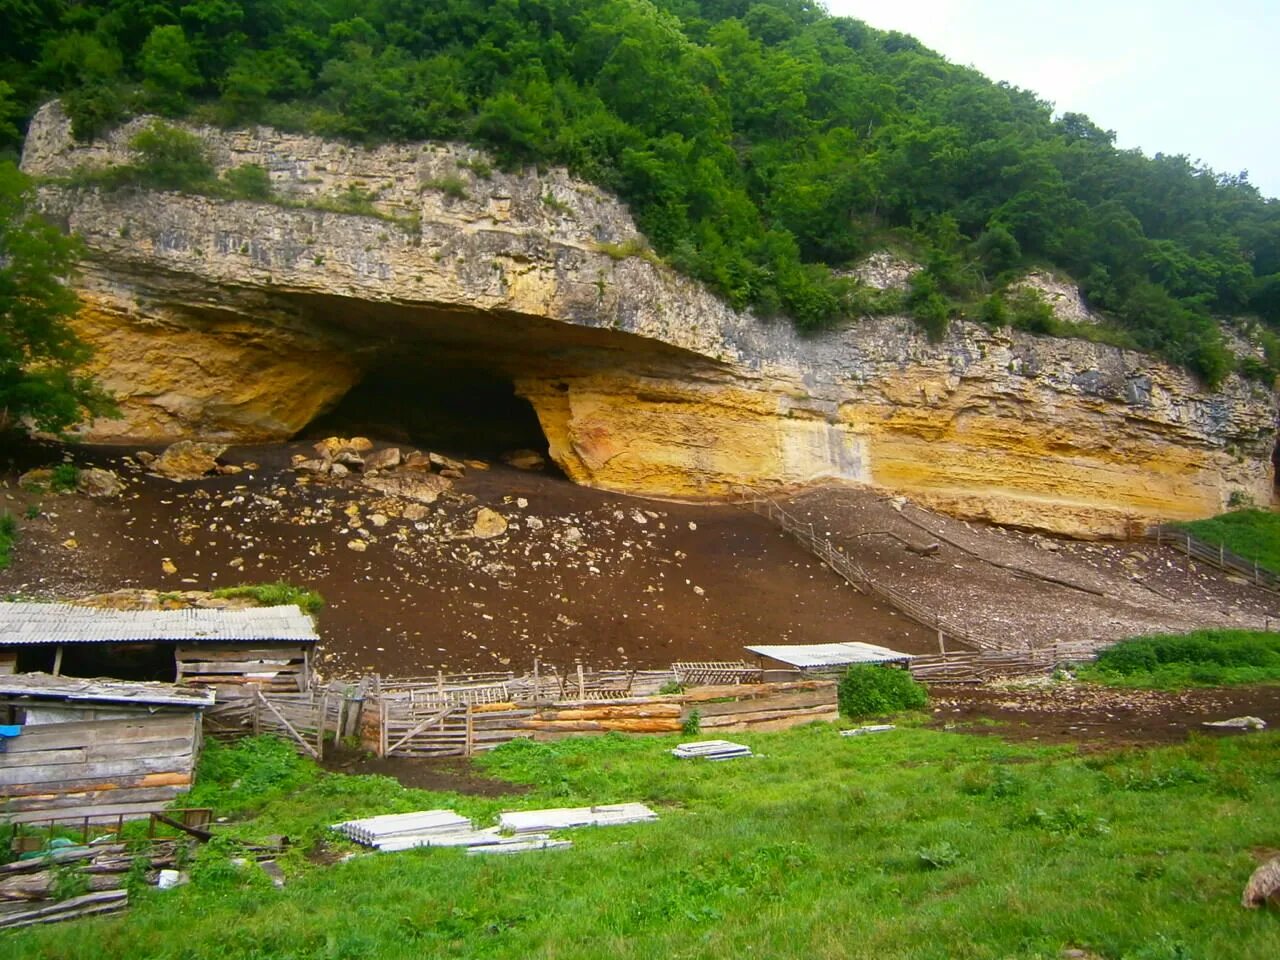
[(97, 752), (809, 698), (46, 736), (49, 776)]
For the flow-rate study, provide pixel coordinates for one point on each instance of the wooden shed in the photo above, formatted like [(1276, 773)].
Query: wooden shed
[(95, 748), (227, 649)]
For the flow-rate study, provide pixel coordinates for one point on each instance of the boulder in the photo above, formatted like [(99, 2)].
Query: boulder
[(488, 524), (525, 459), (416, 460), (332, 446), (303, 465), (99, 483), (424, 489), (446, 463), (38, 479), (1238, 723), (188, 460), (1264, 886), (387, 459), (349, 458)]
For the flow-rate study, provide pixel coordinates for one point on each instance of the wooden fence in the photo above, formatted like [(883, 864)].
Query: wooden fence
[(975, 666), (404, 727), (304, 719), (825, 550), (1214, 554)]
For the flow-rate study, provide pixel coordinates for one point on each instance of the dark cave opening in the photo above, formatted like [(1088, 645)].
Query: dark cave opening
[(462, 411)]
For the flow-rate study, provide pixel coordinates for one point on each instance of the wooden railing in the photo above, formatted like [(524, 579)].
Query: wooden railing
[(1214, 554), (824, 550), (975, 666)]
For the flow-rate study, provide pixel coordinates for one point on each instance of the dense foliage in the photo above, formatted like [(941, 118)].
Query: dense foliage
[(39, 353), (759, 142), (1203, 658), (873, 691)]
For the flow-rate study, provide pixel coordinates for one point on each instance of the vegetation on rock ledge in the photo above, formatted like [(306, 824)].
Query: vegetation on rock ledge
[(760, 144)]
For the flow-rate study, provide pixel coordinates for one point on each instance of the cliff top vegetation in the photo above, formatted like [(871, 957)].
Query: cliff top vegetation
[(763, 146)]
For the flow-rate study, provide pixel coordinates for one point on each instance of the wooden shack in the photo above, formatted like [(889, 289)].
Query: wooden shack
[(227, 649), (95, 748)]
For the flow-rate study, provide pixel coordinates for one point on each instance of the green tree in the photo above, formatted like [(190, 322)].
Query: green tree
[(40, 355), (169, 72)]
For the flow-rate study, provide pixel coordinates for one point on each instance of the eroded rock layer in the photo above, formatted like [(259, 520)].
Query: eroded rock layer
[(243, 320)]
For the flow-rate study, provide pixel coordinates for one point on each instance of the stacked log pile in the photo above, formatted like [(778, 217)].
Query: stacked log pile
[(402, 728)]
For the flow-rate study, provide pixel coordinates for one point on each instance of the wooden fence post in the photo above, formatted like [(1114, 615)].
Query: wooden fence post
[(470, 731), (582, 686)]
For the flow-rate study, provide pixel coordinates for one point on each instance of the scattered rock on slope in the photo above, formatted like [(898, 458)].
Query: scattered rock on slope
[(99, 483), (489, 524), (188, 460)]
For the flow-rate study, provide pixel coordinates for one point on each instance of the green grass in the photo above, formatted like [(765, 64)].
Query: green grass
[(1205, 658), (275, 595), (1253, 534), (915, 844)]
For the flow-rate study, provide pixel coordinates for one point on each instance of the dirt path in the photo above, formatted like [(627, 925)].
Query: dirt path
[(1103, 591), (612, 580), (1094, 716)]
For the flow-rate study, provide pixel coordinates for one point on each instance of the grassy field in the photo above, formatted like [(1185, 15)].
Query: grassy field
[(915, 843), (1253, 534), (1205, 658)]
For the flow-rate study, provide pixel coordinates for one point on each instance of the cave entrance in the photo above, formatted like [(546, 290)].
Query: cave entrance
[(462, 411)]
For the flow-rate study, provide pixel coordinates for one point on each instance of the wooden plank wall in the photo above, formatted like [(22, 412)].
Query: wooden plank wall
[(8, 662), (99, 768), (230, 667)]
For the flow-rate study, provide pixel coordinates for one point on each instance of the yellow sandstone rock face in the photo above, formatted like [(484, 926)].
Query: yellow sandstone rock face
[(214, 380), (238, 321)]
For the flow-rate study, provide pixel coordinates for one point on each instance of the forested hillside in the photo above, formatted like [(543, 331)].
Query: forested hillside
[(761, 145)]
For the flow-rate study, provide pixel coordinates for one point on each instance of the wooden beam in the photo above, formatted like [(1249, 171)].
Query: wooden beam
[(288, 726)]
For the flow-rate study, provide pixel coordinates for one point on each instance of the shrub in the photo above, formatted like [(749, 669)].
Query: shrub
[(869, 690), (248, 181), (169, 158), (1205, 657), (275, 595)]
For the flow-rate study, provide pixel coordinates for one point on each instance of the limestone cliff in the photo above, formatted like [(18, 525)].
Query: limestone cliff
[(238, 320)]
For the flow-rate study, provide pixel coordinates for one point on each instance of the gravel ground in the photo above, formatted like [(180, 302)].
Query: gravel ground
[(1103, 591)]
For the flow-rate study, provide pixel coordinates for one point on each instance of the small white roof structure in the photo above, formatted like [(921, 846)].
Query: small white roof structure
[(36, 623), (45, 686), (825, 656)]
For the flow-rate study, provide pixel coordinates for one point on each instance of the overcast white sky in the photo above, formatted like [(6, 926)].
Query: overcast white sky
[(1174, 76)]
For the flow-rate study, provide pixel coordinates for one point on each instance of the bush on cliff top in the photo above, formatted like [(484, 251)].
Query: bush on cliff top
[(757, 143)]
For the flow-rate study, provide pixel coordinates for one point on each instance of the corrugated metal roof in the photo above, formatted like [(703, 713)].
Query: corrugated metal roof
[(35, 623), (47, 686), (811, 656)]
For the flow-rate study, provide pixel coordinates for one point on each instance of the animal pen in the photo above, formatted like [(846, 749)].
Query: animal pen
[(458, 715)]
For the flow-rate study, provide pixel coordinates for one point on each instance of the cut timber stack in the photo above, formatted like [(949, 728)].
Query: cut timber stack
[(405, 726), (763, 706)]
